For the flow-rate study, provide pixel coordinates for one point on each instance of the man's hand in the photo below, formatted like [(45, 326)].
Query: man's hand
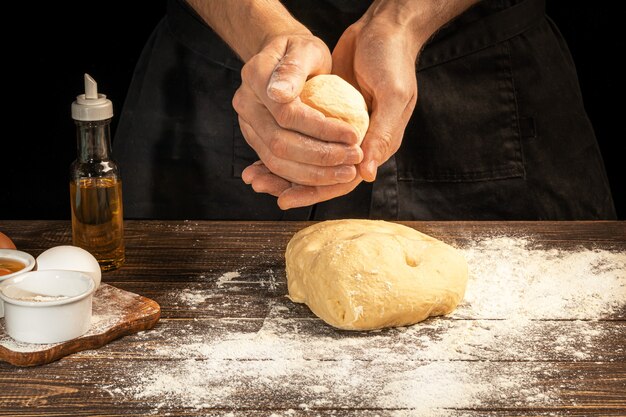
[(290, 194), (293, 140), (378, 57)]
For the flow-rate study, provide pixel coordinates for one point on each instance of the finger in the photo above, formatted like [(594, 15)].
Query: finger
[(293, 115), (291, 145), (248, 174), (302, 196), (300, 117), (300, 60), (297, 172), (384, 135), (263, 181)]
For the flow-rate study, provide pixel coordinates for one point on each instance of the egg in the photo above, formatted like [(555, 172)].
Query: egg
[(5, 242), (70, 258)]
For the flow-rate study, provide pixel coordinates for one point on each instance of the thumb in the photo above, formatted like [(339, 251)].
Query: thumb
[(382, 139), (299, 61)]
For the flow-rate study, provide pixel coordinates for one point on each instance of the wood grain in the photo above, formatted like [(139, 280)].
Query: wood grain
[(58, 388), (168, 259)]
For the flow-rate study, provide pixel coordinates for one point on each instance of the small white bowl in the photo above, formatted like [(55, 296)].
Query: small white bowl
[(47, 306), (23, 257)]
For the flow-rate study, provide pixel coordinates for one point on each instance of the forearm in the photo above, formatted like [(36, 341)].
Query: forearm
[(421, 17), (247, 25)]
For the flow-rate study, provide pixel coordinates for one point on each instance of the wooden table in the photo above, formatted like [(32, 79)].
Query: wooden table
[(221, 287)]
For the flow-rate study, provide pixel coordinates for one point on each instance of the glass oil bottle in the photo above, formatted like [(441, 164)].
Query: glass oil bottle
[(95, 183)]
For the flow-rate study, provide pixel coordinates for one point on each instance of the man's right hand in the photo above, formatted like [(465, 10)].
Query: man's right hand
[(293, 140)]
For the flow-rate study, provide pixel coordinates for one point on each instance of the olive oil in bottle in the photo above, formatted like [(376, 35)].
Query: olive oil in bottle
[(95, 183)]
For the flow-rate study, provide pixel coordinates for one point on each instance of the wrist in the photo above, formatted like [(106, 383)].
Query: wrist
[(405, 16), (419, 19), (247, 26)]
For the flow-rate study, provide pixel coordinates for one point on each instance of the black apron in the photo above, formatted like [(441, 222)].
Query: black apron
[(499, 131)]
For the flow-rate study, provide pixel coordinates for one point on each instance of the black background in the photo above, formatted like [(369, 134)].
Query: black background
[(57, 42)]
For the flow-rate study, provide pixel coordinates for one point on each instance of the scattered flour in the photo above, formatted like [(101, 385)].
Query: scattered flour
[(192, 298), (508, 279), (198, 294), (526, 307), (227, 278)]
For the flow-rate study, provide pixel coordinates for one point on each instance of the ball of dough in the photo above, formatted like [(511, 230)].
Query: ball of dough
[(335, 97), (368, 274)]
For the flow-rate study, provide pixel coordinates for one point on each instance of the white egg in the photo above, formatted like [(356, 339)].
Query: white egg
[(70, 258)]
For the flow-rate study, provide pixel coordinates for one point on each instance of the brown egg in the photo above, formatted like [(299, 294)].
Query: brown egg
[(5, 242)]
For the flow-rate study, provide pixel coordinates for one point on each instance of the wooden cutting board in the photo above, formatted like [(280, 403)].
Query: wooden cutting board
[(116, 313)]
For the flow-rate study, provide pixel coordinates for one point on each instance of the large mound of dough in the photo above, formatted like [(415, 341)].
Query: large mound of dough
[(335, 97), (368, 274)]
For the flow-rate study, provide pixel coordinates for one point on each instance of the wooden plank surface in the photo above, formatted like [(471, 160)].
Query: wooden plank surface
[(242, 348)]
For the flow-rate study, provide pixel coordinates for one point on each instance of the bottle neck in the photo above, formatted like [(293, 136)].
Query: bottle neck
[(93, 140)]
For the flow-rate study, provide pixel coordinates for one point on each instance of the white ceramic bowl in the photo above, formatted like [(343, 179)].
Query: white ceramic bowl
[(23, 257), (62, 310)]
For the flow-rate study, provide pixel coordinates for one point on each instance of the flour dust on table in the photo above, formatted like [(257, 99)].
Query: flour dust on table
[(197, 295), (526, 307)]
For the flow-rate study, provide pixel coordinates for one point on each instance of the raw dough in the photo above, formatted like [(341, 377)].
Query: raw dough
[(368, 274), (335, 97)]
